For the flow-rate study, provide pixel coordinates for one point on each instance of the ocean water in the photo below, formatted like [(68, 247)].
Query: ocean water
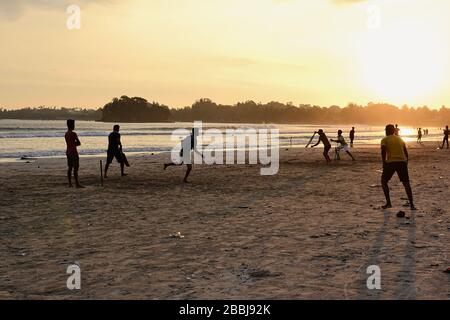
[(36, 138)]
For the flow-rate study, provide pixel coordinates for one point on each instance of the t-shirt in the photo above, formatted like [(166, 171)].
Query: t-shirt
[(113, 141), (341, 140), (446, 133), (71, 141), (394, 149)]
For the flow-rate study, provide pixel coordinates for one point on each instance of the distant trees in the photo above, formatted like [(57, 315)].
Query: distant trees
[(136, 109), (47, 113), (276, 112)]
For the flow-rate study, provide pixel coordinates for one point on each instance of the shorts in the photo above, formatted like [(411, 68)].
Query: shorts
[(115, 154), (400, 167), (326, 149), (73, 161), (343, 148)]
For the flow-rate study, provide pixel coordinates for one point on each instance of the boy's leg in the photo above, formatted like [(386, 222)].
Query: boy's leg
[(120, 157), (353, 158), (188, 171), (106, 169), (170, 164), (75, 175), (325, 154), (409, 193), (69, 176), (122, 169), (76, 166), (388, 172), (403, 174), (385, 186), (109, 159)]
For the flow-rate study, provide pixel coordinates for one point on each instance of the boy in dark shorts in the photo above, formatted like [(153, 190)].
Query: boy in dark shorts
[(395, 159), (115, 151), (73, 159), (326, 144)]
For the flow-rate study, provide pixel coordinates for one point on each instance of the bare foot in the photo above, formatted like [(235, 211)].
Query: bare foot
[(79, 186), (124, 174), (413, 208), (70, 185), (386, 206), (165, 166)]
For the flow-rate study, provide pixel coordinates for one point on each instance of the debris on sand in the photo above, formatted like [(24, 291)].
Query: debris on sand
[(401, 214), (177, 235), (447, 270), (263, 274)]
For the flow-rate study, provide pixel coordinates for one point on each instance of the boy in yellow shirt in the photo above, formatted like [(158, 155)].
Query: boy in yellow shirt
[(395, 159)]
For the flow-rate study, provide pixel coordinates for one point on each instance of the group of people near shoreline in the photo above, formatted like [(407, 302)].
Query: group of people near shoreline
[(394, 154), (73, 159)]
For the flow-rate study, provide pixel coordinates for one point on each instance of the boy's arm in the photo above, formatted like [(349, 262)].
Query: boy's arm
[(383, 154), (77, 141), (405, 150), (315, 145)]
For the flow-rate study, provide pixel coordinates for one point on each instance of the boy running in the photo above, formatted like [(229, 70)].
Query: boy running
[(189, 140)]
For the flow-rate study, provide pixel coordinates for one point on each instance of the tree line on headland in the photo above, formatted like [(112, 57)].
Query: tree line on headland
[(136, 109)]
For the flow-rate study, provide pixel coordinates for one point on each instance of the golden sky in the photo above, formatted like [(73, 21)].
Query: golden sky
[(321, 52)]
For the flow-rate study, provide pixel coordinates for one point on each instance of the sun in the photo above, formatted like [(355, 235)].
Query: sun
[(403, 64)]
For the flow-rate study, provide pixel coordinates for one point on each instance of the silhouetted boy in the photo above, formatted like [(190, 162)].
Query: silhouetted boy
[(189, 140), (326, 144), (352, 136), (446, 133), (115, 151), (73, 159)]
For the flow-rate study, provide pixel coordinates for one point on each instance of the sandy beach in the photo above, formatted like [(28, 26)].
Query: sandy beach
[(308, 232)]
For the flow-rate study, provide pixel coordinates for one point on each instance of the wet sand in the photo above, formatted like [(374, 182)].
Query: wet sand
[(308, 232)]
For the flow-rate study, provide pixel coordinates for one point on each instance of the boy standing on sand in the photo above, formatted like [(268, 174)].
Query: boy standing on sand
[(446, 133), (115, 151), (326, 144), (73, 159), (352, 136), (395, 159)]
